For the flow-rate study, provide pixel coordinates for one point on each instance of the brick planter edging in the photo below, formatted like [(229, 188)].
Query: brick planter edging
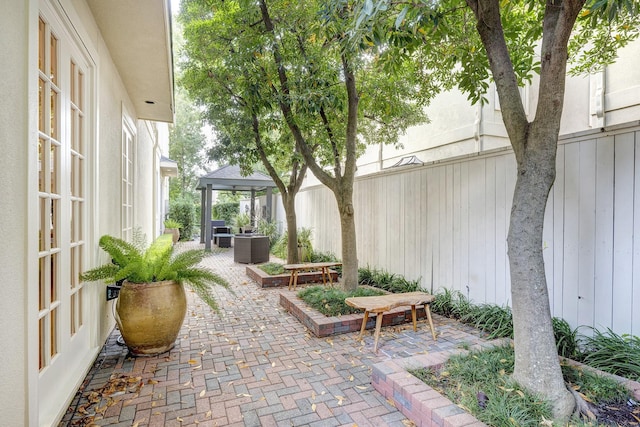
[(323, 326), (415, 399), (265, 280)]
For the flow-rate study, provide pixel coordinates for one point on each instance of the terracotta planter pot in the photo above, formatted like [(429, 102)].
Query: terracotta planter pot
[(173, 231), (150, 315)]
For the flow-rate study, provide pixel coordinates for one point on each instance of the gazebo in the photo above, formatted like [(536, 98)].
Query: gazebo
[(229, 178)]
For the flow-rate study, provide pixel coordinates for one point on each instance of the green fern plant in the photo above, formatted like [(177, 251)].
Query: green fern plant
[(157, 263)]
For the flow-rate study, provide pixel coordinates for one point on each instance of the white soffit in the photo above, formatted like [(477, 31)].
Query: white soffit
[(138, 35)]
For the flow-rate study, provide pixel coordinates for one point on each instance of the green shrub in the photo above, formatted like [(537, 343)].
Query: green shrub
[(279, 248), (269, 229), (226, 211), (183, 212), (330, 301)]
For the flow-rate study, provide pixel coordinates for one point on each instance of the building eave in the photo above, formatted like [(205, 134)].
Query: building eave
[(138, 36)]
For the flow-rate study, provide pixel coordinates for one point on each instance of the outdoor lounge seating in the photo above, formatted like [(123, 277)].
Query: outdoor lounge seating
[(310, 266), (382, 303)]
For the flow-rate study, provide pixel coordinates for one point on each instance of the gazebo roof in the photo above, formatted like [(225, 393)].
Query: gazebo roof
[(230, 178)]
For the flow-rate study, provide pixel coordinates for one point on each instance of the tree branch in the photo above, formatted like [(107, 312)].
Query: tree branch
[(285, 105)]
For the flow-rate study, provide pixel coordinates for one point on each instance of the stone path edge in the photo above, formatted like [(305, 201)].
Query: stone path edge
[(324, 326)]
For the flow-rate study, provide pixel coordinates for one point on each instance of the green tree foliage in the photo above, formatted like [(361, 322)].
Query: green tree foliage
[(286, 76), (226, 211), (183, 211), (223, 73), (187, 146)]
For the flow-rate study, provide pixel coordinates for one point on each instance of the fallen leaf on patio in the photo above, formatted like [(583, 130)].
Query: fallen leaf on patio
[(340, 399), (391, 402), (179, 419), (208, 414), (150, 381), (203, 352), (196, 367), (186, 384), (330, 341), (192, 362), (243, 395), (273, 364), (313, 407), (203, 392), (351, 378), (361, 387), (408, 423)]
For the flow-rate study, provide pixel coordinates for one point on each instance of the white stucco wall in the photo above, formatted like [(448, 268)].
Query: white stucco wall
[(16, 41)]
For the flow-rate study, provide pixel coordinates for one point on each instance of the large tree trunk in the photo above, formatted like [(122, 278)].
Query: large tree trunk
[(289, 203), (537, 367), (536, 358), (344, 197)]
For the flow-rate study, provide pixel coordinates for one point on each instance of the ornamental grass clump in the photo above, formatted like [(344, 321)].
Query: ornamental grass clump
[(390, 282), (158, 262), (613, 353), (330, 301)]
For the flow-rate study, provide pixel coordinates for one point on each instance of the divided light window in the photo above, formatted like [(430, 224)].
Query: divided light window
[(61, 158)]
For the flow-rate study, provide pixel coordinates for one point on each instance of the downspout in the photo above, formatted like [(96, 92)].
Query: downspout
[(597, 105), (477, 128)]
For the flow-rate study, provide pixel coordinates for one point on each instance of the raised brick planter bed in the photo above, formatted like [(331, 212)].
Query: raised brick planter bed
[(323, 326), (425, 406), (267, 281)]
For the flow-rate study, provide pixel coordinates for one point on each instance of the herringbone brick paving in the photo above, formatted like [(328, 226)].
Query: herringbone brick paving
[(252, 364)]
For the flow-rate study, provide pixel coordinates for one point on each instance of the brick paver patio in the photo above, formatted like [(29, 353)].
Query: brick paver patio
[(251, 365)]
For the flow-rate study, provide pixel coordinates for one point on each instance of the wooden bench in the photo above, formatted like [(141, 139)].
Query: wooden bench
[(380, 304), (310, 266)]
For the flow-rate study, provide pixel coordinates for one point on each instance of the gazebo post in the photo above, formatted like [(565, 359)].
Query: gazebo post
[(207, 227), (203, 201)]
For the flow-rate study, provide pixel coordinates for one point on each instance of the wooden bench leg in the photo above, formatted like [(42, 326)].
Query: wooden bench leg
[(324, 280), (364, 324), (427, 309), (295, 279), (377, 334), (413, 317), (291, 279)]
